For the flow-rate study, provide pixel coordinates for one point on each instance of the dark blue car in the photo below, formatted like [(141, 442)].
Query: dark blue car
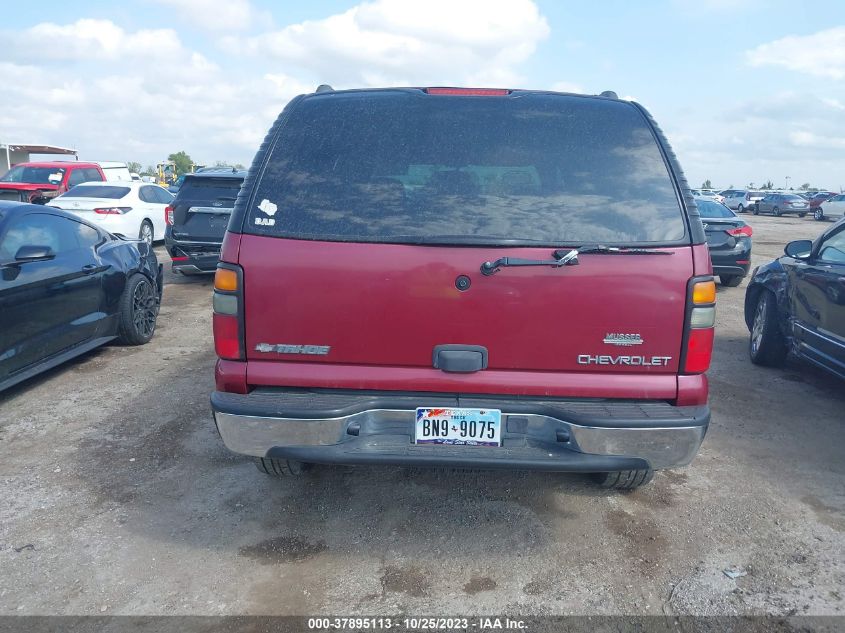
[(67, 287), (797, 304), (728, 239)]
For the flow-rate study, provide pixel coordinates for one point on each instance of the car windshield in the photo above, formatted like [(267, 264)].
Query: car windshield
[(538, 169), (708, 209), (793, 197), (96, 191), (34, 175)]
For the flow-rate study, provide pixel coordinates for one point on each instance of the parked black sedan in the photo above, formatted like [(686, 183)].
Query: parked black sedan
[(781, 203), (797, 303), (729, 241), (67, 287)]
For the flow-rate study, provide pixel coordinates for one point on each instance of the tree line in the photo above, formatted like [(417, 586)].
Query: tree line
[(183, 161)]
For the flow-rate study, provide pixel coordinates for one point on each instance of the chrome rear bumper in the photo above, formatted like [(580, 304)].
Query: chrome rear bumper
[(569, 440)]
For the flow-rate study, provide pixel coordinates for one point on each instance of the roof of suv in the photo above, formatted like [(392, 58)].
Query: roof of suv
[(223, 172)]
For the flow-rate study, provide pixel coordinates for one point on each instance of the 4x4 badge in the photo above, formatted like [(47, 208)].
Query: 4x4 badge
[(624, 340)]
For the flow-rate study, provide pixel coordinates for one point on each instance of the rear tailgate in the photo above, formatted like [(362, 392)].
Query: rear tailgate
[(202, 208), (389, 305)]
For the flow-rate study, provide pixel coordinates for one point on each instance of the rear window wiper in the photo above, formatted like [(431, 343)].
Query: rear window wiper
[(566, 259), (599, 249)]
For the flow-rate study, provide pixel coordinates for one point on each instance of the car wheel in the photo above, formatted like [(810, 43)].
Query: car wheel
[(776, 211), (818, 214), (756, 209), (767, 345), (146, 232), (731, 281), (740, 209), (138, 311), (624, 479), (802, 215), (281, 467)]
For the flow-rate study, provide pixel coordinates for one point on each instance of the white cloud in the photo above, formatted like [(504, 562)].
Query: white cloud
[(89, 39), (821, 54), (393, 42), (137, 104), (214, 15), (766, 137), (803, 138)]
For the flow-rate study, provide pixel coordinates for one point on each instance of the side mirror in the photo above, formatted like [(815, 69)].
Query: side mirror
[(799, 249), (34, 253)]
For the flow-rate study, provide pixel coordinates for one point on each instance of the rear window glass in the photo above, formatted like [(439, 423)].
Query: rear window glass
[(96, 192), (210, 190), (420, 168), (709, 209)]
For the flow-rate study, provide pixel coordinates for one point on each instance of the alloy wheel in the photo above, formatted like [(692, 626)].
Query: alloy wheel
[(757, 326), (146, 233), (144, 309)]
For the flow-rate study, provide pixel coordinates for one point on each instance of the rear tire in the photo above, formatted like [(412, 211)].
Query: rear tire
[(740, 209), (776, 211), (818, 214), (731, 281), (281, 467), (802, 215), (146, 232), (767, 345), (624, 479), (138, 311)]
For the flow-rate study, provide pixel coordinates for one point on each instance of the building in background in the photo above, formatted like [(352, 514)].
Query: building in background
[(14, 153)]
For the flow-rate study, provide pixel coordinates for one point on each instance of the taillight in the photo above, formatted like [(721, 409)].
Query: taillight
[(113, 210), (168, 215), (228, 312), (742, 231), (469, 92), (699, 330)]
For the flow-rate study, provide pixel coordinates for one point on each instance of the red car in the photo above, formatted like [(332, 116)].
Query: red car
[(39, 182), (465, 278)]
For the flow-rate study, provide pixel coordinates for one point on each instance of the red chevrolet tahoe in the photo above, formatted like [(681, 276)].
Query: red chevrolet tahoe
[(39, 182), (464, 278)]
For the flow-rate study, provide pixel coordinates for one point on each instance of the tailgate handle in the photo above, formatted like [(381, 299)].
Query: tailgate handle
[(459, 358)]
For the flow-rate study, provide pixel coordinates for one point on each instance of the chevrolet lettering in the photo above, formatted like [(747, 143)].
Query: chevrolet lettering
[(640, 361)]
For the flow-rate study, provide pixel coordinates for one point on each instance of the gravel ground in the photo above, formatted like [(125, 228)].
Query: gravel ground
[(119, 498)]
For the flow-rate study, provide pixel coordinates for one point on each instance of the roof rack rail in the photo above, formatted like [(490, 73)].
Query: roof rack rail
[(609, 94), (324, 88)]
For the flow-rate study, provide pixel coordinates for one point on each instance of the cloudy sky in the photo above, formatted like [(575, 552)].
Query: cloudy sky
[(747, 90)]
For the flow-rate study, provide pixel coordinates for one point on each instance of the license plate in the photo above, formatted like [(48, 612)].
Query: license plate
[(472, 427)]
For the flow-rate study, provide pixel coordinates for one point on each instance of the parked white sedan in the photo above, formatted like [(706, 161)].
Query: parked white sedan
[(833, 208), (132, 209)]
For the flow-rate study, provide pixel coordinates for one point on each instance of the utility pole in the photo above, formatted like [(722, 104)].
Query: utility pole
[(787, 183)]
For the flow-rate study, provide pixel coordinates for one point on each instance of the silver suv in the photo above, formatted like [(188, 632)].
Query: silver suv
[(743, 200)]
